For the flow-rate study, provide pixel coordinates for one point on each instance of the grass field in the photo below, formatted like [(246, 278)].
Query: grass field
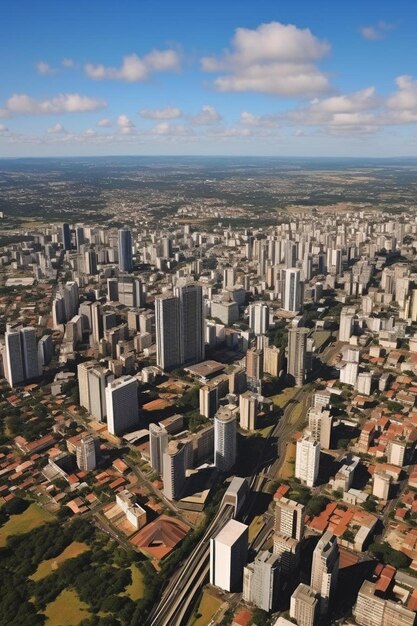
[(287, 469), (46, 567), (281, 399), (136, 589), (33, 517), (207, 607), (66, 610), (255, 527)]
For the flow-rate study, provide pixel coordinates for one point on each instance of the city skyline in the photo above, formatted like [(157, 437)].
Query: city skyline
[(225, 80)]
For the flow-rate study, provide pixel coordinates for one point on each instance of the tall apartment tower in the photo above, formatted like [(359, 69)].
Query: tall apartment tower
[(168, 341), (98, 379), (122, 405), (297, 354), (259, 318), (261, 581), (173, 469), (86, 454), (248, 408), (304, 606), (293, 294), (158, 441), (83, 385), (225, 439), (191, 320), (320, 426), (307, 460), (125, 250), (347, 315), (289, 531), (228, 556), (325, 569)]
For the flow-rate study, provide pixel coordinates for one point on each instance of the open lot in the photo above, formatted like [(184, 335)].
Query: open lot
[(50, 565), (207, 607), (33, 517), (66, 610)]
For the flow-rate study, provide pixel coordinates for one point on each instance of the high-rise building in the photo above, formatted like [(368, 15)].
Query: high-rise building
[(273, 361), (297, 354), (254, 367), (320, 426), (307, 460), (347, 315), (325, 569), (29, 352), (125, 250), (289, 531), (173, 468), (66, 236), (122, 405), (248, 409), (293, 295), (21, 352), (158, 441), (191, 320), (168, 341), (304, 606), (86, 454), (259, 318), (225, 439), (261, 581), (372, 610), (14, 369), (96, 322), (209, 400), (228, 556), (98, 379), (45, 350), (83, 385), (130, 291), (91, 262)]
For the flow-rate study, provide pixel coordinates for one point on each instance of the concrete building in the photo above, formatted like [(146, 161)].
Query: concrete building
[(134, 513), (83, 387), (226, 312), (325, 569), (29, 352), (130, 291), (304, 606), (45, 351), (396, 452), (98, 379), (86, 454), (273, 358), (307, 460), (261, 581), (347, 316), (158, 441), (288, 533), (259, 318), (174, 464), (191, 322), (248, 409), (228, 556), (320, 426), (382, 485), (167, 319), (293, 295), (254, 367), (297, 355), (122, 405), (372, 610), (225, 438), (208, 400), (364, 383), (21, 355)]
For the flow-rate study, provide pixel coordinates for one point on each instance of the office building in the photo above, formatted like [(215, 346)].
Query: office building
[(288, 533), (168, 340), (45, 350), (347, 315), (29, 352), (125, 250), (325, 569), (122, 405), (225, 439), (293, 295), (228, 556), (320, 426), (297, 355), (307, 460), (248, 409), (66, 236), (98, 379), (208, 400), (21, 355), (130, 291), (83, 386), (191, 322), (158, 441), (261, 581), (254, 368), (273, 358), (304, 606)]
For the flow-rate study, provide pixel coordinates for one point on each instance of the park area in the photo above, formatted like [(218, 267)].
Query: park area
[(33, 517), (50, 565), (66, 610), (206, 609)]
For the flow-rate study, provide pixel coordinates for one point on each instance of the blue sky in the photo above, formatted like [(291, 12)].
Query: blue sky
[(278, 77)]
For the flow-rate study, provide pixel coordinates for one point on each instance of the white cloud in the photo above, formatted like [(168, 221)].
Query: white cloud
[(135, 68), (56, 128), (172, 130), (250, 119), (104, 122), (274, 58), (44, 68), (207, 115), (22, 104), (402, 104), (3, 129), (68, 63), (376, 32), (168, 113), (125, 124)]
